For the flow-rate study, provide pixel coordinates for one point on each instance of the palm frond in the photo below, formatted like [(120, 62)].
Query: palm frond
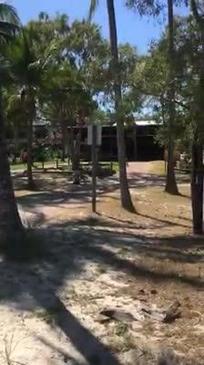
[(7, 29), (92, 9), (9, 14), (9, 22)]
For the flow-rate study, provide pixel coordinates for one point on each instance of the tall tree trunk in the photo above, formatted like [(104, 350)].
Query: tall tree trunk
[(197, 188), (72, 145), (31, 108), (16, 141), (124, 190), (76, 152), (69, 146), (76, 158), (64, 139), (171, 186), (11, 229), (197, 153), (31, 184)]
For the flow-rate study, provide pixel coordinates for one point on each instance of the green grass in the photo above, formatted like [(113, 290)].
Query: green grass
[(63, 165), (47, 164), (115, 166), (18, 167)]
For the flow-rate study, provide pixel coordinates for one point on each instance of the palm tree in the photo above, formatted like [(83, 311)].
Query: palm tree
[(28, 70), (9, 22), (124, 190), (14, 114), (11, 229), (171, 186), (26, 73)]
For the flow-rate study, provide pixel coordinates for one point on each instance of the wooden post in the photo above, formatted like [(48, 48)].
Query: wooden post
[(135, 141), (94, 166)]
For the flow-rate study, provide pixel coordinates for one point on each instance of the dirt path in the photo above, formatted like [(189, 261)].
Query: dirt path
[(137, 167), (52, 202)]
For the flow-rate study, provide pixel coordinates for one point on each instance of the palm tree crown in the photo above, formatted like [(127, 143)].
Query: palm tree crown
[(9, 22)]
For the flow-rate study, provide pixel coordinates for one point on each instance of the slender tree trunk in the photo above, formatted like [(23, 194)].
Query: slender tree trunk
[(197, 151), (31, 184), (197, 163), (76, 158), (76, 154), (197, 188), (31, 104), (72, 145), (94, 167), (124, 190), (11, 229), (171, 186), (69, 146), (64, 139), (16, 141)]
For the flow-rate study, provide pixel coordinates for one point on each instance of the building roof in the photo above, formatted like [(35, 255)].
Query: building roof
[(139, 122), (143, 122)]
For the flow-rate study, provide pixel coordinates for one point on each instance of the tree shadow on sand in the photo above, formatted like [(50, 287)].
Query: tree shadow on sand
[(69, 247), (28, 286)]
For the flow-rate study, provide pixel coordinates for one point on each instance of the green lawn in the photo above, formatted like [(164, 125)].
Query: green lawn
[(52, 164), (18, 167), (47, 164), (115, 166)]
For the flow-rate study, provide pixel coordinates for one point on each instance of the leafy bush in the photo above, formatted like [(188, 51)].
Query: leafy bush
[(42, 154)]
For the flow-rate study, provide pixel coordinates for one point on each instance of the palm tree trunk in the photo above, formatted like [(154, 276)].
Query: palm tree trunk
[(124, 190), (171, 186), (31, 184), (11, 229)]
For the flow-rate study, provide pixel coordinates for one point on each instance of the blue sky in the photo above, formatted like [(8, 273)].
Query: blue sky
[(131, 28)]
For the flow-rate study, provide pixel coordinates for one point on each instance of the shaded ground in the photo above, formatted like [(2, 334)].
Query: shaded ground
[(113, 260)]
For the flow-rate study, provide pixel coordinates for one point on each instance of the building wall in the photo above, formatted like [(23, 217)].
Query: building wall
[(140, 144)]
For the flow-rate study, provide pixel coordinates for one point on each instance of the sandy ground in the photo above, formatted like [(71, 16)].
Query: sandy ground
[(134, 263)]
